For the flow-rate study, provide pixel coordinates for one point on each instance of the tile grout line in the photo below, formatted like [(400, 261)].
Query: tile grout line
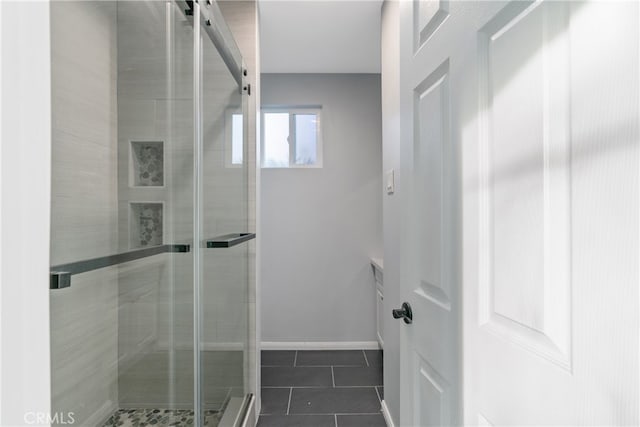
[(335, 418), (333, 378), (353, 413), (289, 404), (365, 358)]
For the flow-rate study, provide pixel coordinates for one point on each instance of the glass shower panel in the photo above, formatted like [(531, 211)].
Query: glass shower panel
[(122, 308), (155, 193), (148, 324), (224, 286), (84, 210)]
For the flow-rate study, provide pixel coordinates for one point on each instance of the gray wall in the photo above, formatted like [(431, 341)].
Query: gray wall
[(321, 225), (392, 213)]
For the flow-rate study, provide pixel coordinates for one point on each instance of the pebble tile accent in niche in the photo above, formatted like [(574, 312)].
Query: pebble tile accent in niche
[(148, 163), (146, 224), (159, 417)]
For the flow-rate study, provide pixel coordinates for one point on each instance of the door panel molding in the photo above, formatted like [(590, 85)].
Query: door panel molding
[(430, 383), (432, 158), (428, 16), (525, 171)]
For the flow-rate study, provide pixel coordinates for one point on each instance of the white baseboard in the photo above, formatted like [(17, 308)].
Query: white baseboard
[(319, 345), (387, 415)]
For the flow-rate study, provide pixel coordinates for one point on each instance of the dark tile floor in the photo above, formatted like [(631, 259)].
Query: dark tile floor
[(333, 388)]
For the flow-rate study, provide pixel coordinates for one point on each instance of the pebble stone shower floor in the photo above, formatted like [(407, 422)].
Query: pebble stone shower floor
[(159, 417)]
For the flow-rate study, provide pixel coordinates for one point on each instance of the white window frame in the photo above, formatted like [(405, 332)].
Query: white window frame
[(228, 138), (293, 111)]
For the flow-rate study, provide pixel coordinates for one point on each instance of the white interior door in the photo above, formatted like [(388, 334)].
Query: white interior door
[(520, 147), (551, 217), (437, 98), (430, 347)]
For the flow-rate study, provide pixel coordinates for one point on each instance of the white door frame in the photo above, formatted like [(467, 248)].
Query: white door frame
[(25, 183)]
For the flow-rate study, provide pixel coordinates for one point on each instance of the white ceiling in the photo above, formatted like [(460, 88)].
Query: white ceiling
[(320, 36)]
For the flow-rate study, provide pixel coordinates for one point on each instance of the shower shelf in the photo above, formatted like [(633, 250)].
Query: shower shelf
[(229, 240), (60, 275)]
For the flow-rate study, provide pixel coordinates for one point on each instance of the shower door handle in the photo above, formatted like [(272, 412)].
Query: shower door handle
[(60, 275), (228, 240)]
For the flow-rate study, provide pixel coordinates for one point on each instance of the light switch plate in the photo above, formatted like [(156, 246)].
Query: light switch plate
[(389, 182)]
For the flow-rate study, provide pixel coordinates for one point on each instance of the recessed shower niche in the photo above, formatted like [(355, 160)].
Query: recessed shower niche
[(147, 163), (145, 224)]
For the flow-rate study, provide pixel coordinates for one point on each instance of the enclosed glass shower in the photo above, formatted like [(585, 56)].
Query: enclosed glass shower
[(149, 215)]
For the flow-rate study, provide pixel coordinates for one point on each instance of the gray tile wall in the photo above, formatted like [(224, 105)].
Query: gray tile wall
[(155, 295), (84, 318)]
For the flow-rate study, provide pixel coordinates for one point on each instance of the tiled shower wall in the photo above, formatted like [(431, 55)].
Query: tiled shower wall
[(145, 104), (110, 88), (156, 295), (84, 317), (159, 317)]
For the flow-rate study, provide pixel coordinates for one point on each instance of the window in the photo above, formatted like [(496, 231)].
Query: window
[(234, 142), (291, 138)]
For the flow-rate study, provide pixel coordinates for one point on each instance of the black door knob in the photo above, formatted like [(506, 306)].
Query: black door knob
[(403, 313)]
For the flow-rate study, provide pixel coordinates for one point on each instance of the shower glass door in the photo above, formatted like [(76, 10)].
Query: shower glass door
[(223, 203), (148, 323), (156, 110)]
